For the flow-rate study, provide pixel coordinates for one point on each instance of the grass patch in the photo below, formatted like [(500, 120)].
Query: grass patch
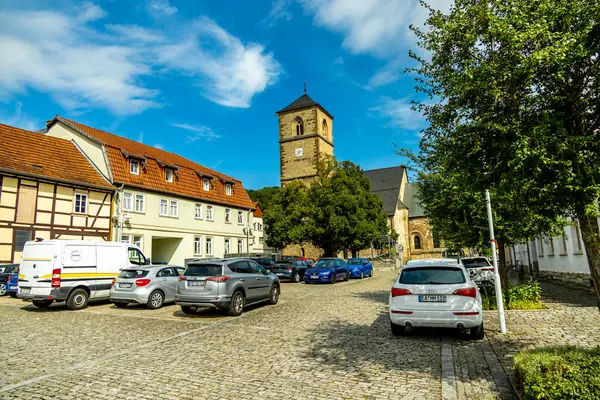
[(559, 373), (524, 296)]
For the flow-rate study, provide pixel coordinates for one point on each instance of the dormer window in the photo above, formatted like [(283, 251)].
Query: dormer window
[(169, 175), (205, 184), (134, 167), (228, 189)]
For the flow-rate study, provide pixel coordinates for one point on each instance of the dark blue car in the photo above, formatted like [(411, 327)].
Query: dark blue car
[(360, 267), (328, 270), (8, 280)]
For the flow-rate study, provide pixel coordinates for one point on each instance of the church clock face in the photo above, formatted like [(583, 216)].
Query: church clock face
[(299, 152)]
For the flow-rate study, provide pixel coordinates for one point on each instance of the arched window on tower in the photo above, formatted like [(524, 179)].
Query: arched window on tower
[(299, 126), (325, 128), (417, 242)]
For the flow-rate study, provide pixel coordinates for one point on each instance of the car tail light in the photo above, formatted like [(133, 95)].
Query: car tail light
[(290, 269), (467, 313), (113, 282), (182, 278), (142, 282), (468, 292), (55, 278), (400, 292), (218, 279)]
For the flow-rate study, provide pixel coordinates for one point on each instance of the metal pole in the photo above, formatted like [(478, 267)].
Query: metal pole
[(497, 284)]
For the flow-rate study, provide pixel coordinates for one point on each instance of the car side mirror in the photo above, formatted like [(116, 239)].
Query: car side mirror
[(148, 262), (266, 272)]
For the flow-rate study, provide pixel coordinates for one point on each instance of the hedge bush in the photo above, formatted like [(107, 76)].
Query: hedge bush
[(524, 296), (559, 373)]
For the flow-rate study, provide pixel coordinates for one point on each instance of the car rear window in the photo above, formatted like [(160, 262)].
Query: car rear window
[(476, 263), (432, 276), (355, 261), (204, 270), (133, 273), (12, 269)]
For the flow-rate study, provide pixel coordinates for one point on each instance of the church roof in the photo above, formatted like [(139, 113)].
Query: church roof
[(411, 199), (386, 183), (303, 101)]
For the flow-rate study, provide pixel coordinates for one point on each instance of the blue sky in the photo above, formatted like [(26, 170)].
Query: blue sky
[(204, 78)]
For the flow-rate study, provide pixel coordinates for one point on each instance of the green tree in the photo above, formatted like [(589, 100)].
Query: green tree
[(514, 107), (264, 196)]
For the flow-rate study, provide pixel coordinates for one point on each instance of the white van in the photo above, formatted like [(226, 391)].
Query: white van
[(74, 271)]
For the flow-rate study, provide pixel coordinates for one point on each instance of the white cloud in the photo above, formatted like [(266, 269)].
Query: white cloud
[(279, 12), (159, 146), (197, 132), (400, 114), (230, 72), (160, 8), (59, 53)]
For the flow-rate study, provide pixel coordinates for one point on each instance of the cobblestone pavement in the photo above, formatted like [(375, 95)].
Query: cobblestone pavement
[(319, 342)]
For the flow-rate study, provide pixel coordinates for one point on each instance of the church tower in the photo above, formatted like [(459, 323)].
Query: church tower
[(305, 133)]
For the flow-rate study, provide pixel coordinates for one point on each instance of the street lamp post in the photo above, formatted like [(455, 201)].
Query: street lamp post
[(497, 284)]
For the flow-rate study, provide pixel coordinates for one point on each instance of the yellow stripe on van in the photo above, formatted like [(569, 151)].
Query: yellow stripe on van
[(88, 275), (49, 276), (21, 276), (38, 259)]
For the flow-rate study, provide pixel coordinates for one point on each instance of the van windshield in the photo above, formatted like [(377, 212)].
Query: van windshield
[(133, 273), (432, 276), (204, 270)]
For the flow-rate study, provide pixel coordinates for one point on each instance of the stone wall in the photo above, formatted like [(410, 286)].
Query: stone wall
[(310, 251), (420, 226), (571, 278)]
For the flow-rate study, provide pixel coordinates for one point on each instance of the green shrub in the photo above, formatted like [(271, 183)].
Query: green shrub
[(524, 296), (559, 373)]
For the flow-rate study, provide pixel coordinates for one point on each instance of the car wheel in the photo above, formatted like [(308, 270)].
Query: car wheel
[(78, 299), (332, 278), (362, 274), (477, 333), (2, 289), (42, 303), (371, 273), (188, 310), (397, 330), (296, 277), (347, 277), (274, 295), (237, 304), (120, 304), (155, 300), (13, 294)]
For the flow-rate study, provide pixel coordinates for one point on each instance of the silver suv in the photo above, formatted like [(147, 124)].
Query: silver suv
[(228, 284)]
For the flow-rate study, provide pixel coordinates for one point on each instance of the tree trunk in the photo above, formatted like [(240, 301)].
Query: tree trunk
[(354, 253), (591, 241), (328, 252), (503, 271)]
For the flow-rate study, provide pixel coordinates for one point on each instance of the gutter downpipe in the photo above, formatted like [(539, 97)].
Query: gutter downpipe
[(118, 212)]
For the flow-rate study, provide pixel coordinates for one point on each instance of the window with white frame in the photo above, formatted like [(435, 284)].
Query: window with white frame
[(139, 202), (209, 213), (164, 207), (209, 247), (174, 210), (240, 217), (228, 189), (205, 184), (127, 201), (240, 246), (227, 246), (198, 213), (138, 240), (81, 200), (197, 245), (261, 240), (227, 216), (134, 167), (169, 175)]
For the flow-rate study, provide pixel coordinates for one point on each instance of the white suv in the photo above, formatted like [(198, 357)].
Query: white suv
[(435, 293)]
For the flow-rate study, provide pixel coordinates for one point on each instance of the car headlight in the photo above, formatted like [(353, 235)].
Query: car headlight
[(325, 273)]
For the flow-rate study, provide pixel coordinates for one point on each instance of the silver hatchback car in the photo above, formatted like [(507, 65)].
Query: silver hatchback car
[(228, 284), (150, 285)]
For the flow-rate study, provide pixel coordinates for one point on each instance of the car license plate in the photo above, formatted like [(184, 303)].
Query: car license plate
[(195, 283), (279, 274), (125, 285), (432, 298), (25, 290), (315, 277)]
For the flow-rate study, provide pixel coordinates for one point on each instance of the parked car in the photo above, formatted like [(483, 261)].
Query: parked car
[(9, 279), (310, 261), (151, 285), (292, 270), (74, 271), (228, 284), (435, 294), (328, 270), (360, 267), (265, 262), (480, 270)]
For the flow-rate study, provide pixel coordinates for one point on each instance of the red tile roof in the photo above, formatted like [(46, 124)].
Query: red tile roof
[(186, 182), (39, 155), (258, 213)]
